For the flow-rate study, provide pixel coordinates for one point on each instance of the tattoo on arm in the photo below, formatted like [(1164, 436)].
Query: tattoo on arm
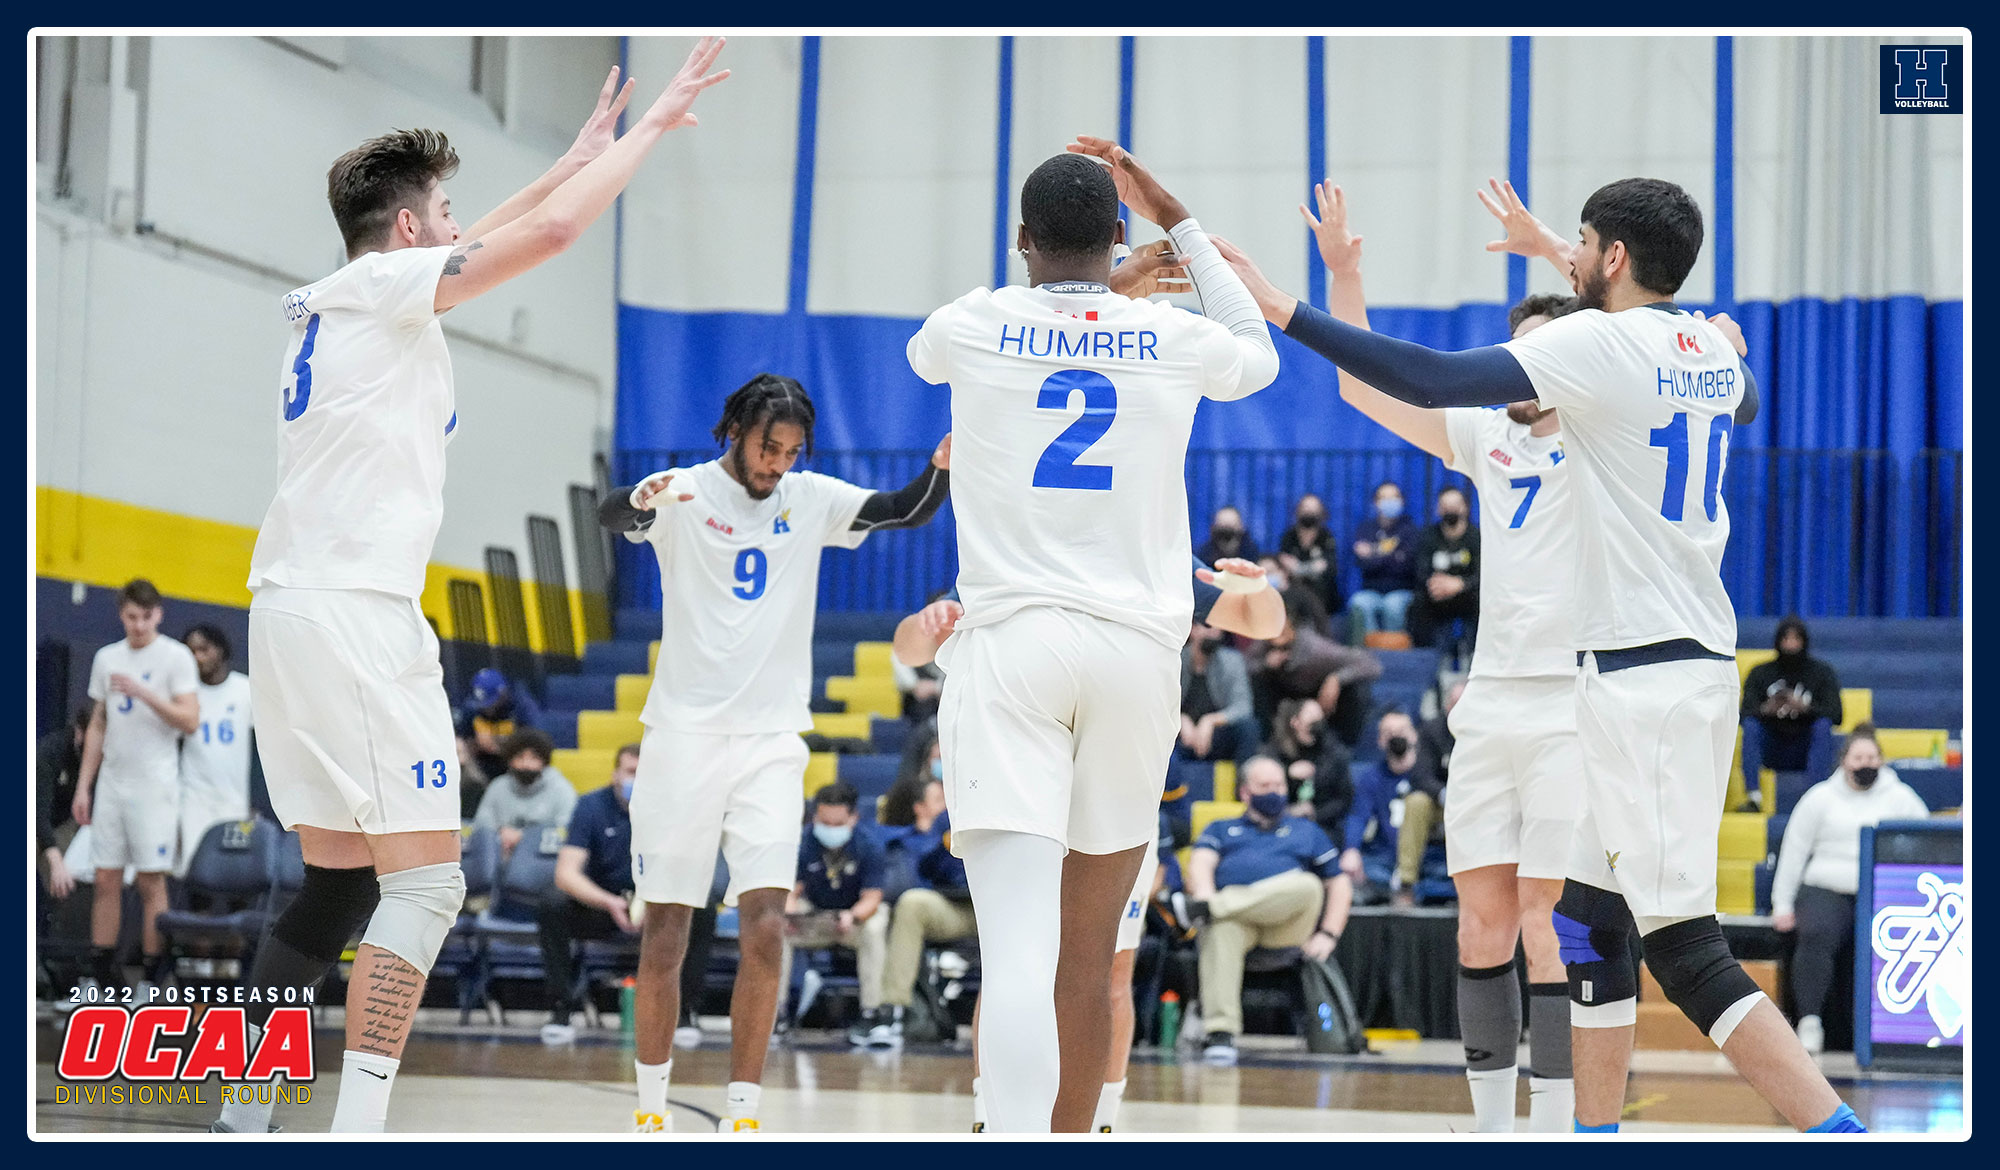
[(455, 263)]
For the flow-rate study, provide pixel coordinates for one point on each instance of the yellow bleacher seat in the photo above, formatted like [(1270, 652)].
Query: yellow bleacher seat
[(653, 658), (1207, 812), (845, 726), (587, 769), (1749, 660), (1741, 837), (874, 660), (822, 768), (1736, 887), (1908, 743), (1185, 856), (1767, 782), (1225, 781), (607, 729), (1857, 705), (870, 695), (632, 690)]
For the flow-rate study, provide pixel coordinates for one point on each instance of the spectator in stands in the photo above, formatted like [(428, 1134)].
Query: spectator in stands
[(593, 894), (530, 793), (1301, 663), (1448, 558), (1423, 808), (1319, 782), (1218, 716), (1791, 705), (472, 780), (838, 899), (57, 759), (1385, 548), (1264, 879), (922, 762), (1819, 868), (938, 909), (910, 826), (921, 685), (1308, 556), (494, 710), (1227, 537), (1370, 838)]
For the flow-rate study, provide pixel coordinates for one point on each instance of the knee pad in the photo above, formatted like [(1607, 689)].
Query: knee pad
[(419, 907), (332, 904), (1699, 975), (1593, 929)]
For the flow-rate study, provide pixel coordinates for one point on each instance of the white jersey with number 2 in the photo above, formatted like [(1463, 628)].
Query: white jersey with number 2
[(1647, 399)]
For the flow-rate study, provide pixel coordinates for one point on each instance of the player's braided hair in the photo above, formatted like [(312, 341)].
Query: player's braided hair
[(763, 400)]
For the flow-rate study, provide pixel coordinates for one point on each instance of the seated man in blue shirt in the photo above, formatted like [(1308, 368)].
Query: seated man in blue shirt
[(1372, 824), (1263, 879), (838, 899), (593, 894)]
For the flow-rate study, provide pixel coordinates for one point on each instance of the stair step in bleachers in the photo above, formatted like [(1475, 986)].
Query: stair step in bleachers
[(636, 624), (1857, 633), (856, 627), (583, 692), (616, 658), (1920, 707), (889, 735), (560, 723)]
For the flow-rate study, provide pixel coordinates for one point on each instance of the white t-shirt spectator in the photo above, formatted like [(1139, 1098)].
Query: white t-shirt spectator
[(1822, 845)]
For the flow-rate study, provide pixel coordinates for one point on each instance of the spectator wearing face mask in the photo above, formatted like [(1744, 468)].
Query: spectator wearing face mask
[(1307, 554), (838, 899), (593, 894), (1819, 868), (1385, 546), (1303, 663), (1791, 705), (1448, 559), (1227, 538), (1218, 716), (1379, 791), (1423, 807), (1319, 782), (530, 792)]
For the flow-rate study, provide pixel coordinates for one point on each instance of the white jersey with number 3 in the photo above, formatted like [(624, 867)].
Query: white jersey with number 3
[(739, 582), (1647, 399), (1527, 544), (366, 409), (1071, 407)]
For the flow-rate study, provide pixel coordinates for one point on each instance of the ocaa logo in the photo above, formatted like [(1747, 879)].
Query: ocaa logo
[(106, 1041), (1923, 79)]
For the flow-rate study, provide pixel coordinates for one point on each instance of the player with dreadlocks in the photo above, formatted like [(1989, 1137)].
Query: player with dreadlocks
[(721, 762)]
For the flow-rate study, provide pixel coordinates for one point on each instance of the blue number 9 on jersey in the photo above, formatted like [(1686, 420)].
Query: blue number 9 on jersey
[(750, 566)]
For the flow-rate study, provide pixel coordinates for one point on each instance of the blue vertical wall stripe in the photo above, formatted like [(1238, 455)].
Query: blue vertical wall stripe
[(1315, 159), (1725, 173), (1127, 67), (1002, 181), (802, 176), (1519, 81)]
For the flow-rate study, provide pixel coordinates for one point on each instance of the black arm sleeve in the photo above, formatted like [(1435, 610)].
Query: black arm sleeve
[(910, 506), (1746, 410), (47, 775), (617, 513), (1416, 374)]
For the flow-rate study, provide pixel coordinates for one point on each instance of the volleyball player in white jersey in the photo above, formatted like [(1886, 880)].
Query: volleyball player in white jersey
[(354, 728), (1647, 394), (142, 693), (721, 764), (215, 759), (1072, 408)]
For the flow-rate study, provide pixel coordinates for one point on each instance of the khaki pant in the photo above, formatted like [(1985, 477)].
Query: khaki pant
[(921, 916), (1421, 815), (1279, 911), (869, 940)]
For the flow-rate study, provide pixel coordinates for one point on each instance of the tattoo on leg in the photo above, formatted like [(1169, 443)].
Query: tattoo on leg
[(455, 263), (389, 1002)]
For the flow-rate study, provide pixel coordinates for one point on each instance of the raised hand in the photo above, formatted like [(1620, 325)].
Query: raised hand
[(939, 618), (601, 129), (1234, 566), (675, 105), (1150, 269), (1276, 305), (1340, 249), (1137, 188), (1526, 235), (652, 492), (1729, 329)]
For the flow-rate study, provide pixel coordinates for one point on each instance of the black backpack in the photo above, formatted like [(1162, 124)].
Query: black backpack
[(1330, 1022)]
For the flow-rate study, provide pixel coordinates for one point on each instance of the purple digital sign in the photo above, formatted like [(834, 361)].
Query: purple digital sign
[(1920, 987)]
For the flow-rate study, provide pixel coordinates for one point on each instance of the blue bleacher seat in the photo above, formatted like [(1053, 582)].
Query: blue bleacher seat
[(1763, 874), (636, 623), (1774, 832), (831, 658), (872, 775), (889, 735), (615, 658), (230, 881), (1941, 788), (857, 626), (583, 692), (560, 723), (1199, 776)]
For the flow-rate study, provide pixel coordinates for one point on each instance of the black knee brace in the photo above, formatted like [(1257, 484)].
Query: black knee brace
[(1593, 927), (1693, 964), (331, 908)]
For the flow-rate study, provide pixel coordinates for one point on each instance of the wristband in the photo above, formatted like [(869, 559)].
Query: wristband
[(1235, 583)]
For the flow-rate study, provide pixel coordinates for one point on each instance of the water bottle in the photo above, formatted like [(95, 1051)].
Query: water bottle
[(628, 994), (1170, 1019)]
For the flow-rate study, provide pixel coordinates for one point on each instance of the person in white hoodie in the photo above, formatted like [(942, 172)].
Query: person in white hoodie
[(1819, 867)]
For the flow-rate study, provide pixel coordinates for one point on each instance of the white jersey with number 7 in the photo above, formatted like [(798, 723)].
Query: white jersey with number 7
[(1647, 399), (1071, 407)]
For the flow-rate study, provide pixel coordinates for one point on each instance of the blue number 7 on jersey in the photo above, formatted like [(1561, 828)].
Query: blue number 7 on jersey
[(1534, 484)]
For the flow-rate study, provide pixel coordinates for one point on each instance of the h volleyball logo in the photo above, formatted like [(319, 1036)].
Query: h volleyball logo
[(1922, 79)]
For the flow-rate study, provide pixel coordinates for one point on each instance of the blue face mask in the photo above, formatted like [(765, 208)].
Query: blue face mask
[(1269, 805), (937, 769), (625, 789), (832, 836), (1390, 509)]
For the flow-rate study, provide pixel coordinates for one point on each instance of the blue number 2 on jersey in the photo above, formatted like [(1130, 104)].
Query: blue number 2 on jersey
[(750, 567), (300, 394), (1058, 467), (1674, 438)]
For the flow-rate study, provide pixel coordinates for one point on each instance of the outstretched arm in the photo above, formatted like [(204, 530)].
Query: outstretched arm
[(913, 505), (485, 262), (919, 635), (629, 511), (598, 133)]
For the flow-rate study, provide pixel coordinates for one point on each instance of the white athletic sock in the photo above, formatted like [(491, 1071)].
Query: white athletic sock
[(1492, 1099), (1551, 1104), (743, 1098), (365, 1081), (251, 1115), (653, 1086), (1107, 1105), (1016, 884), (979, 1101)]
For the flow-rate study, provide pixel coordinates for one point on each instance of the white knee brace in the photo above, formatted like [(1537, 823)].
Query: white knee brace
[(418, 908)]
